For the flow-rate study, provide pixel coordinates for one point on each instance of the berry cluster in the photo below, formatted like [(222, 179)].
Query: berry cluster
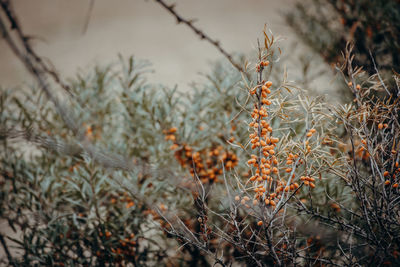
[(206, 163), (395, 175), (268, 183)]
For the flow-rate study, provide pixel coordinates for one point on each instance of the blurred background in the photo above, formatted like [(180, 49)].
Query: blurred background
[(140, 28)]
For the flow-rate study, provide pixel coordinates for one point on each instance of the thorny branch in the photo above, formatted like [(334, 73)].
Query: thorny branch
[(200, 33)]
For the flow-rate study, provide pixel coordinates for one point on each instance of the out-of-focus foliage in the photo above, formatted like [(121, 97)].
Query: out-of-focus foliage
[(373, 25), (71, 211)]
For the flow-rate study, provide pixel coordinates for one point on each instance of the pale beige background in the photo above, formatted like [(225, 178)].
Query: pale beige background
[(140, 28)]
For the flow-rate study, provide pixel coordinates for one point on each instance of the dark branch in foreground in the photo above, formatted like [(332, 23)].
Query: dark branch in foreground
[(20, 46), (200, 33)]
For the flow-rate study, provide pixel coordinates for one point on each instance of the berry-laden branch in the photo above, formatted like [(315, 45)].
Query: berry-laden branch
[(268, 183), (200, 33)]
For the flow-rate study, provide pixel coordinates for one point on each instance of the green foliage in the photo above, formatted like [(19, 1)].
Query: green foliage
[(73, 202)]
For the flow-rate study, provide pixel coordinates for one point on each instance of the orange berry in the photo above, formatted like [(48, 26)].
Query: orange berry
[(286, 188), (312, 185), (274, 140), (174, 146), (272, 203), (363, 142), (266, 102), (266, 201), (163, 207), (387, 182), (386, 173), (335, 206), (237, 198), (380, 126), (268, 84), (309, 134), (350, 84), (396, 164), (251, 161), (395, 185), (265, 63), (259, 223), (358, 87)]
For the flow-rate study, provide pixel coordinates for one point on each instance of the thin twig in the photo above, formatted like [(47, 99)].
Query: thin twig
[(3, 243), (200, 33), (88, 16)]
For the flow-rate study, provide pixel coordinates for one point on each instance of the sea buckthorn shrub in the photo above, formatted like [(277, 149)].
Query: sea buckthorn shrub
[(371, 124), (243, 169)]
